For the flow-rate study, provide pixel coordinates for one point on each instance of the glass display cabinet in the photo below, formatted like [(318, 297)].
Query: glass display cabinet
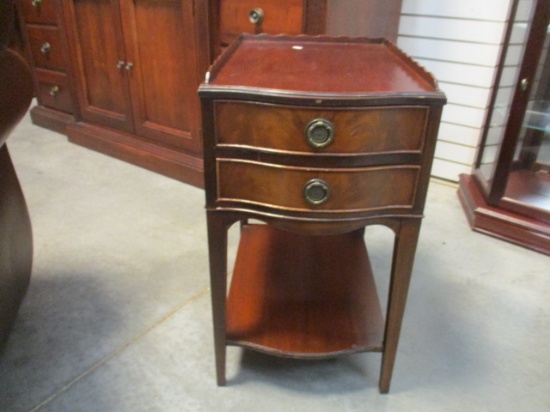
[(508, 193)]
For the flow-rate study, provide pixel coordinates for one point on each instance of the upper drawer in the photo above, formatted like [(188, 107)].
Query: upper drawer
[(39, 11), (272, 16), (45, 46), (337, 131), (315, 189)]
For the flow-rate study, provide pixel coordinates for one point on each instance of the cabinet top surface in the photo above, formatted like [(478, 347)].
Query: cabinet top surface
[(306, 65)]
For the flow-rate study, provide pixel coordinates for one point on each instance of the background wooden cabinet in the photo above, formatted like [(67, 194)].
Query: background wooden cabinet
[(136, 67), (45, 41), (121, 76)]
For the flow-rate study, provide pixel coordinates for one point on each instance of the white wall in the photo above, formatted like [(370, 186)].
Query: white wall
[(460, 43)]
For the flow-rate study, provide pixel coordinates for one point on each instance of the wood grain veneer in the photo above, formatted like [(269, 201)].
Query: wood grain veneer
[(301, 285), (303, 296)]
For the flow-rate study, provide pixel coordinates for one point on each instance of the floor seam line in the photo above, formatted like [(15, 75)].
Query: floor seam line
[(111, 355)]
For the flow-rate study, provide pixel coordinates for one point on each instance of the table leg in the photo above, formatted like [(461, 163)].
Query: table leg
[(217, 245), (403, 259)]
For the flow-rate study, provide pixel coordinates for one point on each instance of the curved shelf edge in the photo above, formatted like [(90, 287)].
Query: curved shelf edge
[(303, 296)]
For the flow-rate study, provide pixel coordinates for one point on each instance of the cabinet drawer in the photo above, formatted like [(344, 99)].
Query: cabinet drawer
[(45, 46), (39, 11), (53, 90), (276, 16), (355, 131), (345, 190)]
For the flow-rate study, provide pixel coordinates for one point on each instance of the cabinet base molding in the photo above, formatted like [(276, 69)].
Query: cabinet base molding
[(499, 223), (166, 161), (51, 119)]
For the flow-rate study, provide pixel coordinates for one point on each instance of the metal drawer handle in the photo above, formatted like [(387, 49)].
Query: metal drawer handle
[(46, 48), (524, 84), (36, 3), (320, 133), (256, 16), (316, 192), (54, 91)]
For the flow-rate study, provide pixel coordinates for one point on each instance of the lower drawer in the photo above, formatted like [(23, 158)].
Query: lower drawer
[(53, 90), (316, 190)]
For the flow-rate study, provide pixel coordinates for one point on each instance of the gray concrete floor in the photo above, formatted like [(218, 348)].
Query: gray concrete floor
[(117, 316)]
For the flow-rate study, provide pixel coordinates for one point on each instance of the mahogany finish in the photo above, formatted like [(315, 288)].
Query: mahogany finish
[(45, 47), (128, 70), (45, 38), (278, 16), (387, 74), (15, 227), (295, 275), (351, 190), (501, 223), (359, 131), (39, 13), (53, 90), (303, 296)]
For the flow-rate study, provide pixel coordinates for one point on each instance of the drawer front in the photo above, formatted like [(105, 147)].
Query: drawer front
[(316, 190), (39, 11), (355, 131), (45, 46), (53, 90), (275, 16)]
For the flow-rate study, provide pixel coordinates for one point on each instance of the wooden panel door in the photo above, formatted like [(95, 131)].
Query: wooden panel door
[(160, 44), (97, 39)]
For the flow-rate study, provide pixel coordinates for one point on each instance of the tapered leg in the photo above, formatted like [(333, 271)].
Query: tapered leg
[(217, 245), (403, 259)]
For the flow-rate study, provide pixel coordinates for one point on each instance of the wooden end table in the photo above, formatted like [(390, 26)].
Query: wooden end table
[(315, 138)]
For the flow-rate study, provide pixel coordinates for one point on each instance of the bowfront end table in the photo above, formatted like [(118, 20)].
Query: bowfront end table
[(313, 138)]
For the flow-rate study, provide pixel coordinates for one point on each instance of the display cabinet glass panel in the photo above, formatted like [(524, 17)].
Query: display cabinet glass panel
[(508, 194)]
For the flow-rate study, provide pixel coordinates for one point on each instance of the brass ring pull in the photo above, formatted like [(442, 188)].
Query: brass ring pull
[(256, 16), (319, 133), (316, 192), (54, 91), (46, 48), (36, 3)]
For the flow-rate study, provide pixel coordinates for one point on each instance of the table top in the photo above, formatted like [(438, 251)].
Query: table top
[(319, 65)]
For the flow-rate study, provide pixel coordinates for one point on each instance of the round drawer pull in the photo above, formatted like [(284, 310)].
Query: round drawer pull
[(54, 91), (316, 191), (36, 3), (256, 16), (46, 48), (320, 133)]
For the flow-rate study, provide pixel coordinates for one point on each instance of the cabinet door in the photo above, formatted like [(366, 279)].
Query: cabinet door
[(160, 43), (96, 37)]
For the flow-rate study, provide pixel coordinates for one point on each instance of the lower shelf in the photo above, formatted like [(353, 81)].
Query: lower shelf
[(303, 296)]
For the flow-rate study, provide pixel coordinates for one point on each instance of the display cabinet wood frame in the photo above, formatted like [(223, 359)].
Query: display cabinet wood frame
[(499, 205)]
